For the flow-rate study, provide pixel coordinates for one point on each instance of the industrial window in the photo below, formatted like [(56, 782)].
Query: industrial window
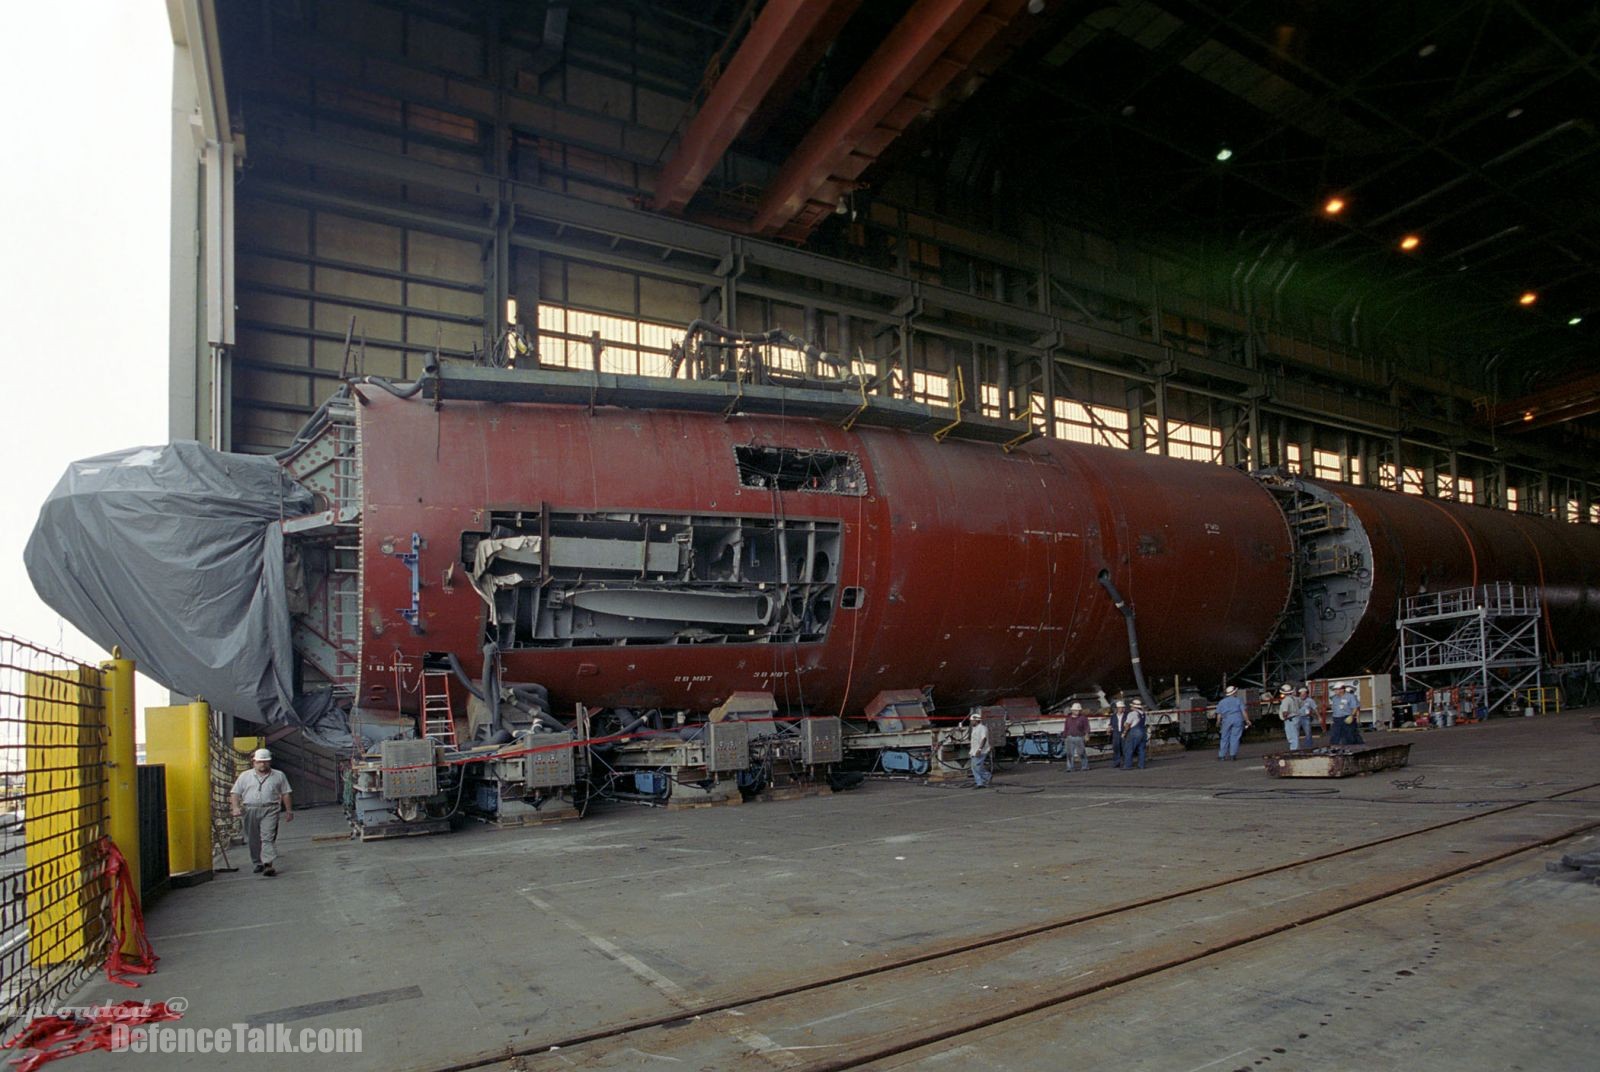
[(989, 400), (1511, 498), (629, 347), (796, 469), (1412, 476), (1293, 458), (1574, 511), (1103, 426), (1196, 442), (930, 387), (1594, 513), (1325, 465), (1461, 489)]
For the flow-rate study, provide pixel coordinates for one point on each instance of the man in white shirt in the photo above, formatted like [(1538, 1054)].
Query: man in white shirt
[(980, 750), (261, 794)]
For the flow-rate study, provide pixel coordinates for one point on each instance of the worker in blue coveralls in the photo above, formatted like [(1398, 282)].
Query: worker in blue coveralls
[(1134, 736), (1232, 721), (1344, 707), (1119, 711)]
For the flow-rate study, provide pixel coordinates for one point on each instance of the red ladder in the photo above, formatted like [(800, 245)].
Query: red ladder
[(438, 716)]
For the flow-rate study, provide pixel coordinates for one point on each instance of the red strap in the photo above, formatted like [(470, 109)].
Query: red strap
[(51, 1038), (124, 896)]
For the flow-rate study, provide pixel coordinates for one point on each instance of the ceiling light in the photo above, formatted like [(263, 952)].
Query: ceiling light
[(1528, 298), (1574, 321), (1224, 153), (1513, 113), (1527, 415), (1035, 6), (1333, 206), (1427, 50), (1127, 110), (1410, 242)]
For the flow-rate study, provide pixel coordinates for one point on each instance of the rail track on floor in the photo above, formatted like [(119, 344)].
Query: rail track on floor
[(1036, 982)]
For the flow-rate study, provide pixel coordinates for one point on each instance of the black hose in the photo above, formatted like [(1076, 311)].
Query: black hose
[(461, 676), (408, 390), (1133, 636)]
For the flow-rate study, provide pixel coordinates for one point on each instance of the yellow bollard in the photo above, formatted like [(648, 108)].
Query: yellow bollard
[(179, 738), (122, 771)]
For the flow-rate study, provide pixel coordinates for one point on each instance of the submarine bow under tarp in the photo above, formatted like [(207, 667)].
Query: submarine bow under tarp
[(175, 554)]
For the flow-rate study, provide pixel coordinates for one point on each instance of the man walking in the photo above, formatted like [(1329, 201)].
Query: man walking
[(261, 794), (980, 750), (1232, 722), (1134, 736), (1075, 734)]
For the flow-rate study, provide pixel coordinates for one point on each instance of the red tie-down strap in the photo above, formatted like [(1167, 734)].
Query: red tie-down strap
[(50, 1038), (123, 895)]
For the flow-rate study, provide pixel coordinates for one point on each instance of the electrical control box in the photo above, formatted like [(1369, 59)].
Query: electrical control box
[(408, 770), (727, 746), (550, 767), (821, 741)]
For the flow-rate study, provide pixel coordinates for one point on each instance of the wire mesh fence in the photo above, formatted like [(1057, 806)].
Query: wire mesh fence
[(55, 906)]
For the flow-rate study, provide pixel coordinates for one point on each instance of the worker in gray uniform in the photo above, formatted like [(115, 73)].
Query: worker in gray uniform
[(261, 795), (1296, 726), (1344, 709)]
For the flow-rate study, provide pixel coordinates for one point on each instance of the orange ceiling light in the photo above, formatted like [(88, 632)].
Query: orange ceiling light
[(1333, 206), (1410, 242), (1528, 298)]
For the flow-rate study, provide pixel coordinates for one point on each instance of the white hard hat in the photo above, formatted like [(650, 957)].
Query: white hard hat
[(976, 716), (261, 753), (1286, 688), (1138, 702), (1076, 707), (1230, 690), (1122, 703)]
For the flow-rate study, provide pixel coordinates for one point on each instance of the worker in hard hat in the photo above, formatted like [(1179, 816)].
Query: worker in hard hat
[(1075, 736), (1305, 709), (1344, 709), (1289, 711), (1135, 735), (980, 750), (261, 795), (1232, 721)]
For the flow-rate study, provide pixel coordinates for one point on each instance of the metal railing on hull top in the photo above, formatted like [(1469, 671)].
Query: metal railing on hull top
[(55, 904)]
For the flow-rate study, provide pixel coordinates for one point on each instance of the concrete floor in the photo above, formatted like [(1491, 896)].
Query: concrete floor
[(457, 946)]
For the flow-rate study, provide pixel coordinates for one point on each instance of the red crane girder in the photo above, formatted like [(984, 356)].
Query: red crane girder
[(777, 36), (936, 42)]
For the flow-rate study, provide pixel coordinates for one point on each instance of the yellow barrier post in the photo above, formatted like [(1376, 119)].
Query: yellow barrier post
[(179, 738), (122, 773)]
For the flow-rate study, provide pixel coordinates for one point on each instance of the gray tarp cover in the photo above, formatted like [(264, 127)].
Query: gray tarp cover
[(175, 553)]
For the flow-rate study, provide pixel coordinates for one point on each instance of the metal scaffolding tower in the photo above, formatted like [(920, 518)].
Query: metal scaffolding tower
[(1486, 637)]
